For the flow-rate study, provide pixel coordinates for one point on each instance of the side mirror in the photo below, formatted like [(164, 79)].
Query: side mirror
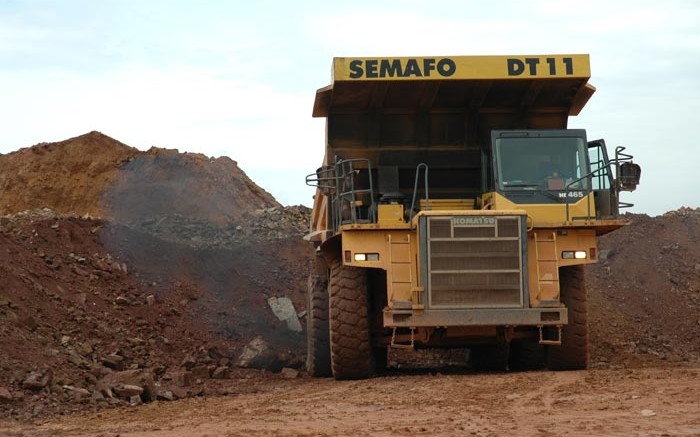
[(628, 176)]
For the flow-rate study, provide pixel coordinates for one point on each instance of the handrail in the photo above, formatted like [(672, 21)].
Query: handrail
[(624, 204), (324, 178), (619, 157), (345, 191), (424, 166)]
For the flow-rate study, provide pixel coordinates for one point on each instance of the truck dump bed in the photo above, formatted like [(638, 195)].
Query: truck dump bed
[(397, 112)]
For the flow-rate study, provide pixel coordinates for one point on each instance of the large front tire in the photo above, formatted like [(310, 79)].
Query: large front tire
[(489, 357), (318, 351), (527, 355), (573, 352), (351, 351)]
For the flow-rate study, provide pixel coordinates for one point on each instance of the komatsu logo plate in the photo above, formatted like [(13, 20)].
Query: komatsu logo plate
[(473, 221)]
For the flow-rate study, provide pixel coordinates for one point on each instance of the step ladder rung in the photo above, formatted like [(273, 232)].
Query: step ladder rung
[(546, 255)]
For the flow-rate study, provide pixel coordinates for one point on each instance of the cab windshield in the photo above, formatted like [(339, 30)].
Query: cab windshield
[(541, 163)]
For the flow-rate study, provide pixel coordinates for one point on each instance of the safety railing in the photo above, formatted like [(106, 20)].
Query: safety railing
[(420, 166), (352, 200), (621, 183)]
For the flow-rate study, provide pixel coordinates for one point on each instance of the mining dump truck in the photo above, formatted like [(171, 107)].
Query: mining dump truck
[(454, 209)]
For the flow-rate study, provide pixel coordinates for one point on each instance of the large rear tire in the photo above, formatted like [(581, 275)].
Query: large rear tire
[(573, 352), (351, 351), (318, 350)]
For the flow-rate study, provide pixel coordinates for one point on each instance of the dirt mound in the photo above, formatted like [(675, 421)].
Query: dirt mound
[(645, 292), (86, 300), (100, 176), (69, 176), (163, 182), (162, 293), (71, 313)]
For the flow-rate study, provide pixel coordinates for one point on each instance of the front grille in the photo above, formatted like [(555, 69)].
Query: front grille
[(475, 262)]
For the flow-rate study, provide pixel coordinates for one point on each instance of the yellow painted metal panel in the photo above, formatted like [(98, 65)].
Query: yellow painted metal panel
[(400, 291), (462, 67), (447, 204), (366, 242), (549, 290), (549, 215), (401, 253), (389, 214), (401, 273)]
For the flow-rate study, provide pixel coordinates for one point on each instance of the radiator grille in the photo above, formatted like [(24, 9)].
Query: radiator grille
[(474, 262)]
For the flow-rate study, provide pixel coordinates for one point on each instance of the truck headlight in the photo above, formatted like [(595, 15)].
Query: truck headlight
[(366, 257), (570, 254)]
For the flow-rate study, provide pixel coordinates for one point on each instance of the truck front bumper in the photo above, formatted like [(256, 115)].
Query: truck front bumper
[(475, 317)]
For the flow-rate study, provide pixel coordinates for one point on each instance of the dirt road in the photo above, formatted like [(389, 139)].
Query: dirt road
[(640, 402)]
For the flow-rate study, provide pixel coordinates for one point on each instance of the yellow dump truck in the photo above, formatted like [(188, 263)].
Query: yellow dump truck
[(455, 209)]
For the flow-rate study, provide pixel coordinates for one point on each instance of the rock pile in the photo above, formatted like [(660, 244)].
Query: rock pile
[(644, 295), (263, 225), (156, 298), (79, 330), (100, 176)]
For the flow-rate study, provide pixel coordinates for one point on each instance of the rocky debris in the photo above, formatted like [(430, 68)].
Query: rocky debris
[(644, 296), (32, 215), (129, 383), (37, 380), (65, 334), (683, 211), (5, 395), (220, 372), (283, 308), (127, 390), (183, 378), (113, 361), (268, 224), (200, 372), (165, 395), (647, 412), (276, 223), (259, 355), (76, 392), (289, 373)]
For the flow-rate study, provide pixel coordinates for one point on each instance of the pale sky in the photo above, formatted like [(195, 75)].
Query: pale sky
[(239, 79)]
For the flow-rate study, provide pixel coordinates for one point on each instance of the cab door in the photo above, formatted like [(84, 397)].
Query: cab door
[(605, 197)]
